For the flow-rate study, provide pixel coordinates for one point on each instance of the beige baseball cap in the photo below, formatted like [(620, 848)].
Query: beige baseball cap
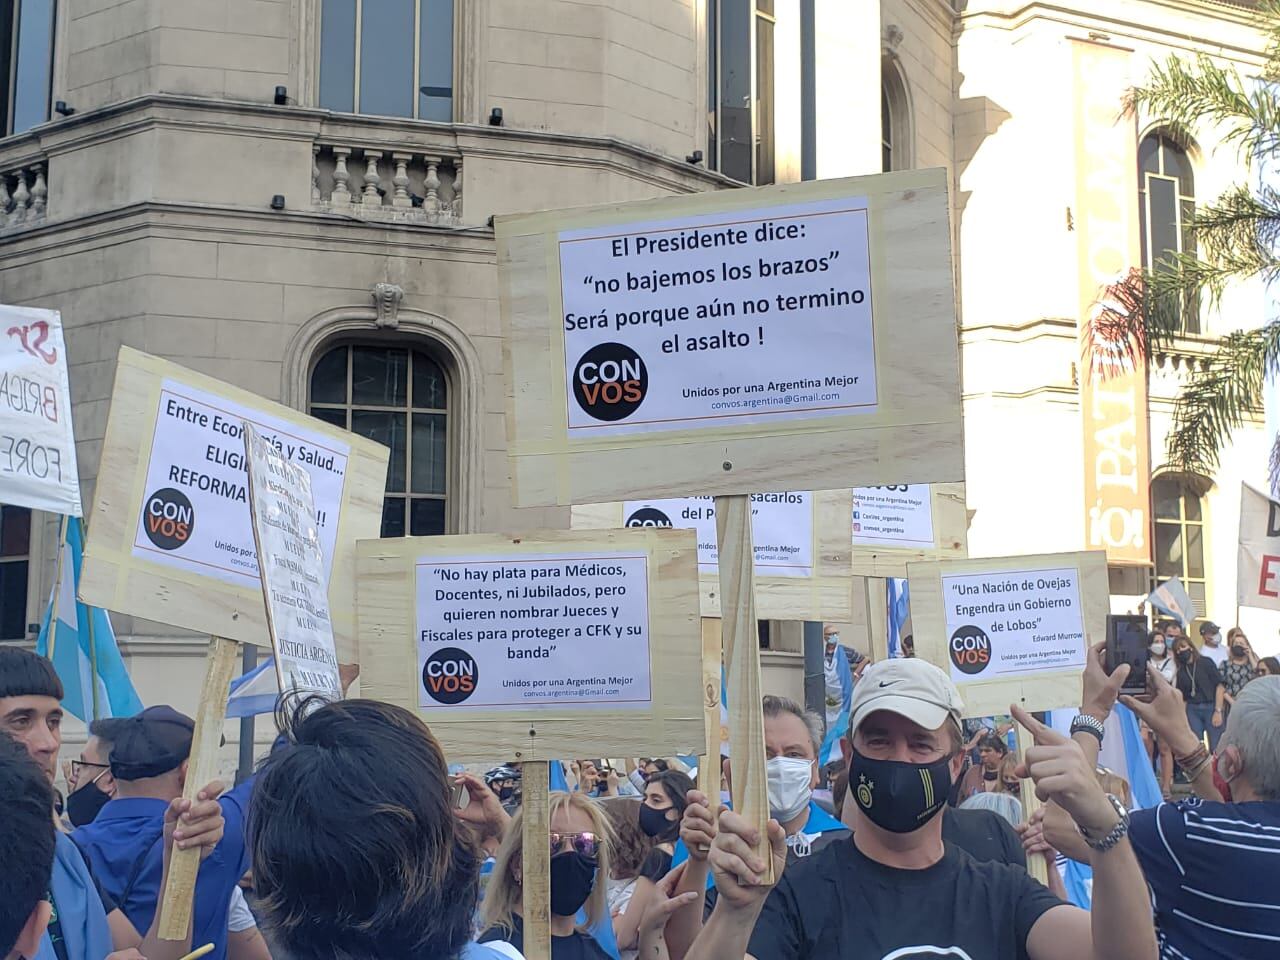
[(907, 686)]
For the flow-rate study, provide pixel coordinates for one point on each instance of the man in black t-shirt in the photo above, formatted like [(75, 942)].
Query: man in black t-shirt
[(895, 891)]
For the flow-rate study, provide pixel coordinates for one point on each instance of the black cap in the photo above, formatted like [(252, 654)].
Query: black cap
[(1209, 627), (151, 743)]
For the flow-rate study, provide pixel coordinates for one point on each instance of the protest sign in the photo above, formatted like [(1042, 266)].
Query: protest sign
[(542, 646), (172, 537), (897, 524), (292, 569), (1258, 565), (801, 558), (37, 445), (1011, 629), (685, 331)]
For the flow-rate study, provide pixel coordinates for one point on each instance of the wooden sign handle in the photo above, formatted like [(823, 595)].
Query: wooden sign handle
[(709, 767), (1037, 866), (179, 892), (536, 865), (741, 637)]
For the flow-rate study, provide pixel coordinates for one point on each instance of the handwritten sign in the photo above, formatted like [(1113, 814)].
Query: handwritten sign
[(292, 568)]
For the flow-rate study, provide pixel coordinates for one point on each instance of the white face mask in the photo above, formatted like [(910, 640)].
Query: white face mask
[(789, 790), (833, 639), (1157, 649)]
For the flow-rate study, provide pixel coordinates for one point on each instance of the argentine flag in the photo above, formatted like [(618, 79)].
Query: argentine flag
[(80, 642), (839, 698)]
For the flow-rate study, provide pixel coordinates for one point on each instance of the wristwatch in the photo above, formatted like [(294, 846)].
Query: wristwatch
[(1087, 724), (1117, 833)]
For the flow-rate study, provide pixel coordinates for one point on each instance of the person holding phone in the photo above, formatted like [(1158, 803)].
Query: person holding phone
[(1201, 686)]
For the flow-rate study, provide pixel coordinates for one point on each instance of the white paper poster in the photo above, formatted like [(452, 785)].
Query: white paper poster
[(37, 446), (195, 514), (1258, 570), (718, 319), (781, 529), (544, 630), (291, 562), (1013, 623), (893, 516)]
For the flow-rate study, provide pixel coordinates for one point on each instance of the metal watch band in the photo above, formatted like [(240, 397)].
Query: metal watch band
[(1118, 832), (1087, 724)]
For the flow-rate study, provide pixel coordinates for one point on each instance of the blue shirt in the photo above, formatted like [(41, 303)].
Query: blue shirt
[(125, 845), (1208, 865)]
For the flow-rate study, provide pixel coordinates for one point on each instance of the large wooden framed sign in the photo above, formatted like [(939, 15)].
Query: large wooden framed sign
[(897, 524), (171, 537), (538, 646), (1011, 629), (732, 342), (801, 558)]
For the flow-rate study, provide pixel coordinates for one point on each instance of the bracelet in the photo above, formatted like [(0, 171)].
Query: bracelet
[(1198, 755), (1083, 723)]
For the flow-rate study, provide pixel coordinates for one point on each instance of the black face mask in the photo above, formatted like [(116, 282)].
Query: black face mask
[(506, 793), (1237, 651), (573, 877), (1184, 656), (84, 803), (896, 796), (654, 823)]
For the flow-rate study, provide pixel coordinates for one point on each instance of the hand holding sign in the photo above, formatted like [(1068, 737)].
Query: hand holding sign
[(1063, 774)]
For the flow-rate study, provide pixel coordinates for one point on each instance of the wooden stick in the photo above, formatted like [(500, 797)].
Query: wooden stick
[(877, 618), (536, 863), (1036, 864), (741, 637), (709, 768), (220, 663)]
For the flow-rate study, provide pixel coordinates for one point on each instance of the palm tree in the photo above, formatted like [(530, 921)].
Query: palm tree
[(1236, 237)]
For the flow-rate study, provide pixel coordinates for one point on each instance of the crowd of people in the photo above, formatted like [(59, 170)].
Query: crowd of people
[(354, 841)]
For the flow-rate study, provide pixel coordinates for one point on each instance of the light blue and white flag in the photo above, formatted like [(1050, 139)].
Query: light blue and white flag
[(899, 625), (1171, 598), (255, 692), (81, 643), (839, 698)]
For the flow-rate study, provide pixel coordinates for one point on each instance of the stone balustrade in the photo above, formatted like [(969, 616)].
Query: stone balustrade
[(24, 196), (381, 184)]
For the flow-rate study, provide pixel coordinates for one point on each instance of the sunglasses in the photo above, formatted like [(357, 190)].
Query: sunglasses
[(80, 766), (587, 844)]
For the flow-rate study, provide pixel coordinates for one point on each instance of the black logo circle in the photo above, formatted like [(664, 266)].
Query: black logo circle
[(648, 517), (970, 649), (450, 675), (610, 381), (168, 518)]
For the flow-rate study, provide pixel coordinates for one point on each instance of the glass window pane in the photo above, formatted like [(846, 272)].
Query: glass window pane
[(15, 532), (1162, 202), (1191, 506), (429, 389), (338, 55), (387, 429), (1149, 156), (1178, 165), (436, 59), (329, 415), (379, 376), (1169, 550), (1194, 540), (764, 101), (386, 58), (736, 146), (1188, 232), (329, 378), (426, 518), (393, 517), (1164, 499), (428, 453), (35, 64), (13, 600)]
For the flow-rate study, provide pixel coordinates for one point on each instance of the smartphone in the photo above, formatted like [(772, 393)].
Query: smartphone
[(1129, 641), (460, 796)]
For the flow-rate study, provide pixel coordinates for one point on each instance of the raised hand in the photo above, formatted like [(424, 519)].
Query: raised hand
[(1063, 774), (1166, 714), (698, 827), (484, 810), (1101, 690), (195, 823), (738, 871)]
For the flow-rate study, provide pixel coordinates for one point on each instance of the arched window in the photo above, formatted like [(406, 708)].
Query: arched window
[(1167, 203), (399, 396), (393, 58), (895, 118), (1178, 517)]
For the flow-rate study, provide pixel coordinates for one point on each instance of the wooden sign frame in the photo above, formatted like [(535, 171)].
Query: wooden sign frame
[(114, 578), (1042, 691), (914, 434), (950, 534), (822, 596), (671, 725)]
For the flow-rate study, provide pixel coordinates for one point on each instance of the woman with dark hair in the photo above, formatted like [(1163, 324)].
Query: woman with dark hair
[(1269, 667), (665, 799), (1202, 690), (356, 851), (631, 848)]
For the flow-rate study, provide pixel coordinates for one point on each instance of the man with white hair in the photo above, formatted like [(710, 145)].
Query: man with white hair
[(895, 890)]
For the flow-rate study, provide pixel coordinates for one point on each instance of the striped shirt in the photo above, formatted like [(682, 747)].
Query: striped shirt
[(1212, 869)]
